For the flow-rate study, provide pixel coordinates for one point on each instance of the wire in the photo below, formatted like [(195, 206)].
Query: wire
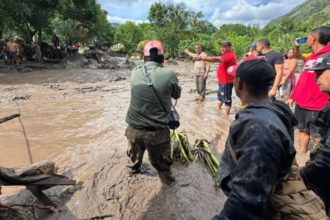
[(24, 133)]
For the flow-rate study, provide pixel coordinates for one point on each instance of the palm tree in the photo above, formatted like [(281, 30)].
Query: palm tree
[(178, 17)]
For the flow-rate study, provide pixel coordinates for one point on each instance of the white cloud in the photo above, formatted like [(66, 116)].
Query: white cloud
[(119, 20), (217, 12), (247, 13)]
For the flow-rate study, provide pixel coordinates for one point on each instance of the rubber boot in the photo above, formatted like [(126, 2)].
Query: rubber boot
[(166, 178)]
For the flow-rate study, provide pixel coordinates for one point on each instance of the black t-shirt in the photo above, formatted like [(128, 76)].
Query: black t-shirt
[(273, 57)]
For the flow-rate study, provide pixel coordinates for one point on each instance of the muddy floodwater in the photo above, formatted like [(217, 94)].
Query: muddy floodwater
[(76, 117)]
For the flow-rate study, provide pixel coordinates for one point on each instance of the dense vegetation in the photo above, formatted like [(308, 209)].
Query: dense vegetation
[(180, 28), (72, 20), (174, 24)]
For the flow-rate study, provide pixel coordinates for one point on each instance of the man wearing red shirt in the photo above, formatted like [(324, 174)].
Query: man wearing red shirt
[(307, 95), (225, 81)]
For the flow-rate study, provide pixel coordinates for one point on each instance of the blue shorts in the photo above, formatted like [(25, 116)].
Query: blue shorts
[(225, 92)]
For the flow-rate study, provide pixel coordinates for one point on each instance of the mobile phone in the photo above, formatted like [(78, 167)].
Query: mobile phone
[(301, 40)]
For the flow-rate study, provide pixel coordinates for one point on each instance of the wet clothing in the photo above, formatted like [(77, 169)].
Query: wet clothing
[(145, 110), (306, 93), (273, 57), (228, 60), (147, 121), (224, 93), (305, 118), (200, 66), (199, 71), (262, 139), (158, 144), (201, 85), (322, 125), (289, 84), (287, 88), (316, 174), (12, 55)]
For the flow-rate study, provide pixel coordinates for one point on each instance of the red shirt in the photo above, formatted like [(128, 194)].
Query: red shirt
[(228, 60), (307, 93)]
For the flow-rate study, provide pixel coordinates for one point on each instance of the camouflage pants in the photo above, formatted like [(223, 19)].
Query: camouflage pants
[(157, 143)]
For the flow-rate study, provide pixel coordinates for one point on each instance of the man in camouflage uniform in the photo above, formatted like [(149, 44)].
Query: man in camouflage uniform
[(147, 120)]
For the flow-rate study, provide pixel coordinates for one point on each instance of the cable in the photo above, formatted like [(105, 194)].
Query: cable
[(24, 133)]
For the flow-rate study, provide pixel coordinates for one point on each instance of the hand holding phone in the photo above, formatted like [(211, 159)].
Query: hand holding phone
[(302, 40)]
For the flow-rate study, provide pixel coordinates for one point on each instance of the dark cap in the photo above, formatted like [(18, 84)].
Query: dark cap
[(255, 71), (322, 63), (226, 43), (232, 69)]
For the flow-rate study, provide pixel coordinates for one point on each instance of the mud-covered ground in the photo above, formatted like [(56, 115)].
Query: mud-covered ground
[(76, 117)]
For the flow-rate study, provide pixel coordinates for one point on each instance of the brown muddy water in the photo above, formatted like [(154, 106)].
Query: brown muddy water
[(76, 117)]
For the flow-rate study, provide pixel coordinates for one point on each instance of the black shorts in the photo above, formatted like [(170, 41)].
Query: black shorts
[(305, 117), (12, 56), (224, 93)]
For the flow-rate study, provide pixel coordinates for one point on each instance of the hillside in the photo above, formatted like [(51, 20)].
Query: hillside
[(310, 13)]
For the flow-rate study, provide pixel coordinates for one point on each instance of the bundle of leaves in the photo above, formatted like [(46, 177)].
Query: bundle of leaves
[(203, 153), (181, 149)]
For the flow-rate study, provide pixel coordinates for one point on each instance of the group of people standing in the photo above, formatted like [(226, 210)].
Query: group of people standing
[(309, 100), (259, 152)]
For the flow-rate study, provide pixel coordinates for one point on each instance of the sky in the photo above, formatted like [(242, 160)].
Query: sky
[(218, 12)]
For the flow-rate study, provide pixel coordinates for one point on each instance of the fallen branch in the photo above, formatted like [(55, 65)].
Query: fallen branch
[(2, 120), (99, 217), (50, 208)]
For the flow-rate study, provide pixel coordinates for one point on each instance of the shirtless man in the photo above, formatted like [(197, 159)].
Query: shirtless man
[(13, 50)]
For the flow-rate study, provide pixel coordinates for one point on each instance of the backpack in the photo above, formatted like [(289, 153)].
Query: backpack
[(291, 200)]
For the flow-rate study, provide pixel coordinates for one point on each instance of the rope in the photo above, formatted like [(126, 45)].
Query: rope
[(24, 133)]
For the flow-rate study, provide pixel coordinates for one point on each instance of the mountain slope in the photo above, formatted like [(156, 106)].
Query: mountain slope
[(311, 12)]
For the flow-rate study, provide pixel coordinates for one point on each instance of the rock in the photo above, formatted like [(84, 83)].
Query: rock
[(172, 61), (93, 63), (42, 167), (76, 61), (22, 97)]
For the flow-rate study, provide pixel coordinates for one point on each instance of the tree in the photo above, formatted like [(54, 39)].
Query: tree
[(29, 17), (76, 20), (173, 23), (157, 14), (129, 35), (149, 31)]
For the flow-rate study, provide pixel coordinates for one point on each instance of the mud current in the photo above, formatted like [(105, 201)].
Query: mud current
[(76, 117)]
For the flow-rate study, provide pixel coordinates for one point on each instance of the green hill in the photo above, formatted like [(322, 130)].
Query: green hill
[(311, 13)]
